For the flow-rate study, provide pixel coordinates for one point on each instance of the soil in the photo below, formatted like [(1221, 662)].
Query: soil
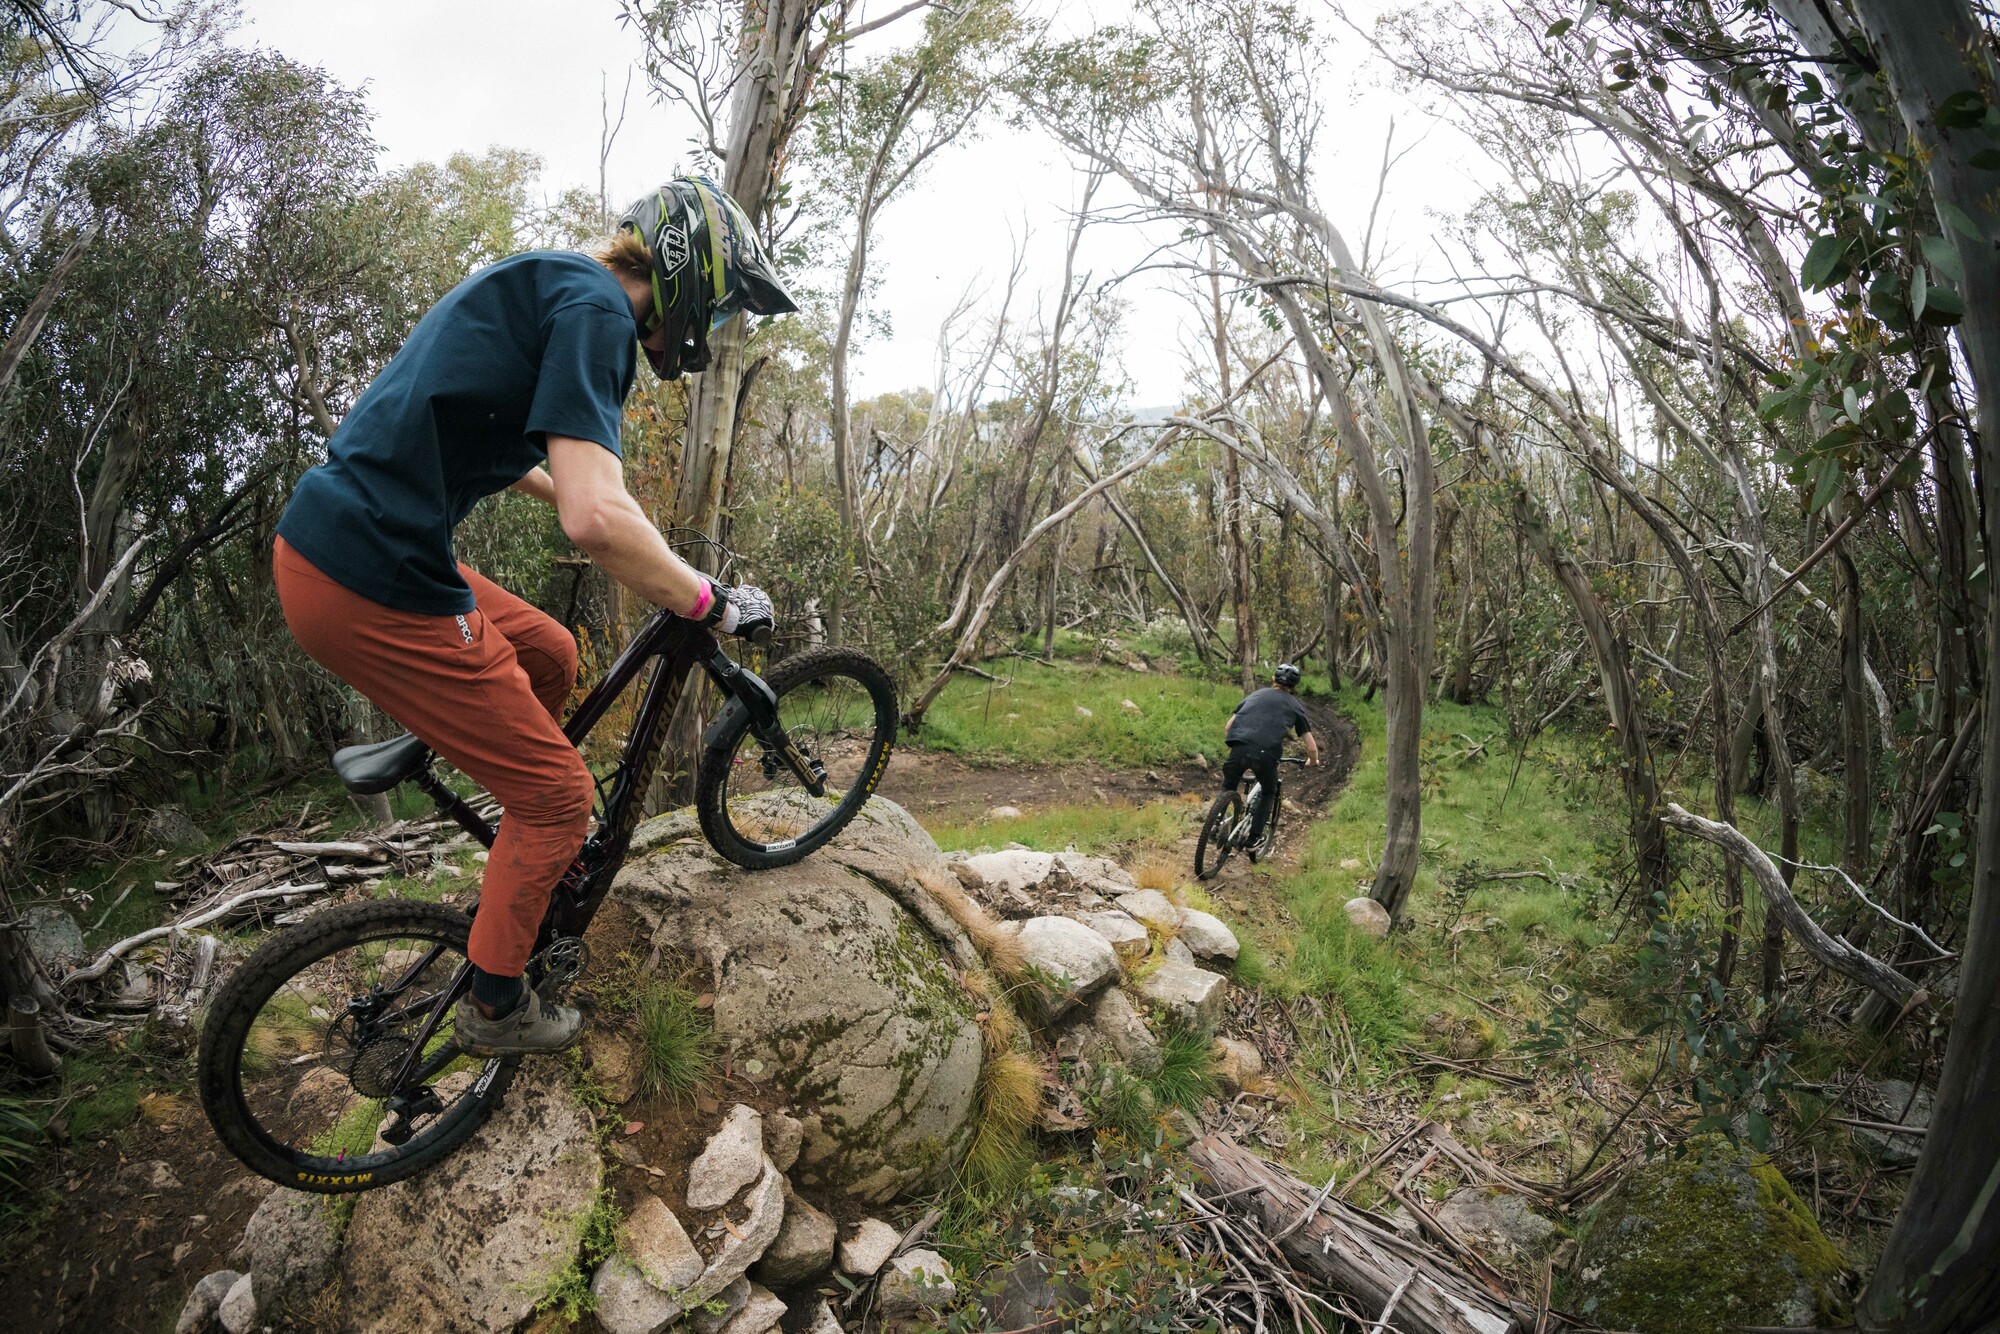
[(944, 786), (118, 1252)]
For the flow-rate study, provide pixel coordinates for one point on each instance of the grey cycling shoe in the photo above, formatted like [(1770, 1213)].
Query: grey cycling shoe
[(534, 1026)]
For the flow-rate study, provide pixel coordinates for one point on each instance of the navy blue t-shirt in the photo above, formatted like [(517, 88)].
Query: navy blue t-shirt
[(1265, 718), (536, 345)]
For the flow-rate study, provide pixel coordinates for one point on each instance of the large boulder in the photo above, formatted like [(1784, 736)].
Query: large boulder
[(1705, 1243), (498, 1220), (830, 988), (54, 938)]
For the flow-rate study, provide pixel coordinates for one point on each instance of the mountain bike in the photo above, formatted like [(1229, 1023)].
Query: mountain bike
[(1231, 816), (328, 1060)]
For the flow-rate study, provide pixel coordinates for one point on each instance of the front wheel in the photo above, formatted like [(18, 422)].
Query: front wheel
[(1212, 849), (328, 1061), (755, 794)]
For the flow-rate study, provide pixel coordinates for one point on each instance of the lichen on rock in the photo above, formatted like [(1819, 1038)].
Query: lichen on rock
[(1705, 1243), (828, 989)]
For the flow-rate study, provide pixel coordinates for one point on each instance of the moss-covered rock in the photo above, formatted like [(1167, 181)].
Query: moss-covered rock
[(1704, 1244), (827, 988)]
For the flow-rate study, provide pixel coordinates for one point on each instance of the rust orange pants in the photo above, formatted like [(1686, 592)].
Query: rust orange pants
[(485, 691)]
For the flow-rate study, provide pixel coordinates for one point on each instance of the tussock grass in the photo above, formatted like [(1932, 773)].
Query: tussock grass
[(996, 943), (677, 1044), (1010, 1098)]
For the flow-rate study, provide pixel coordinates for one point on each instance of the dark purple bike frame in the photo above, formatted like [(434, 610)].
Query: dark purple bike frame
[(674, 647)]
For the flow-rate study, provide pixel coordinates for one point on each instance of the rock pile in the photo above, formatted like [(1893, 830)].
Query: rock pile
[(1099, 953), (746, 1237)]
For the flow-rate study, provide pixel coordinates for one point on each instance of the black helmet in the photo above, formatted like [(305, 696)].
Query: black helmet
[(1287, 675), (707, 265)]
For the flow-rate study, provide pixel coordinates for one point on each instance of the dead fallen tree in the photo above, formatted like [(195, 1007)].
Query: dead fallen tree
[(1832, 951), (1394, 1281)]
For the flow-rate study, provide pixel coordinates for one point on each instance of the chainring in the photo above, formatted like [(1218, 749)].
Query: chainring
[(558, 967)]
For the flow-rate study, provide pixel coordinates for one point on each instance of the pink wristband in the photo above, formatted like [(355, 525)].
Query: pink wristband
[(702, 602)]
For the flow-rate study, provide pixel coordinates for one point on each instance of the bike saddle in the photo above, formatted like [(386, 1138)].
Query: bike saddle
[(376, 768)]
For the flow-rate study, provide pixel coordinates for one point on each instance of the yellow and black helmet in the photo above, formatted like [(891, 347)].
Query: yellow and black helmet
[(708, 265)]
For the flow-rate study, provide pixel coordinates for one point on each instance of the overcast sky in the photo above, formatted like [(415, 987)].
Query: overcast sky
[(448, 75)]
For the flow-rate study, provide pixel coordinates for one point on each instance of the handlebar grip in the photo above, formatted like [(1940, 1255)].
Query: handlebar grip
[(761, 637)]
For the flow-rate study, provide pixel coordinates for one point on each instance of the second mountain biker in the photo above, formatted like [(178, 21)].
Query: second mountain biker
[(1257, 733), (527, 361)]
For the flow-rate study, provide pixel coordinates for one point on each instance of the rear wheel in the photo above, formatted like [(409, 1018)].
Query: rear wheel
[(1212, 849), (755, 793), (1267, 841), (302, 1056)]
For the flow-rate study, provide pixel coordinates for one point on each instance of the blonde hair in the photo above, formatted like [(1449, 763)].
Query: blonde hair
[(623, 252)]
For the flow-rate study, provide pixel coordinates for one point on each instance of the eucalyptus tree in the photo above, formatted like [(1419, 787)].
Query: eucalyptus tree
[(875, 130)]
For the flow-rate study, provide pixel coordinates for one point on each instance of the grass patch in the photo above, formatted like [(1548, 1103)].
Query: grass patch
[(566, 1292), (1032, 715), (353, 1134), (1131, 1103), (677, 1045), (1010, 1097), (1102, 827)]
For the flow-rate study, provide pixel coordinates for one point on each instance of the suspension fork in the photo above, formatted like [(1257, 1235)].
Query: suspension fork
[(756, 698)]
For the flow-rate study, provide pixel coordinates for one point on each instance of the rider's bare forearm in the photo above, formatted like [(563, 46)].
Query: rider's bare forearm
[(606, 522), (538, 484), (1312, 749)]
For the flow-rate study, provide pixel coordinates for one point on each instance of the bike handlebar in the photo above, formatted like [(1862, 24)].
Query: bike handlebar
[(1291, 759)]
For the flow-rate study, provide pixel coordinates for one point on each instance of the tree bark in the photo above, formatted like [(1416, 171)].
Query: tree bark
[(1937, 1272)]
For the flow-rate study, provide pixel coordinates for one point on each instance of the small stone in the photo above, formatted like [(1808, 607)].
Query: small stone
[(615, 1063), (1369, 917), (803, 1248), (238, 1312), (1004, 813), (1177, 951), (1082, 712), (205, 1301), (1201, 761), (1894, 1102), (1128, 706), (480, 856), (1125, 1031), (170, 827), (784, 1135), (1350, 863), (150, 1177), (732, 1160), (760, 1314), (720, 1309), (1192, 995), (627, 1303), (864, 1253), (1127, 938), (658, 1245), (1153, 908), (750, 1239), (968, 878), (824, 1321), (293, 1247), (1208, 937), (915, 1282), (1074, 963), (54, 938), (1238, 1065), (1501, 1225)]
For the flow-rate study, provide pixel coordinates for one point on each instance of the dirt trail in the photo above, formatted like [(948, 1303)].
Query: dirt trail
[(936, 785)]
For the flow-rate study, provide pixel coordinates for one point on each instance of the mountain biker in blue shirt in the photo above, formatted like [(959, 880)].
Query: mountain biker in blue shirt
[(1257, 733)]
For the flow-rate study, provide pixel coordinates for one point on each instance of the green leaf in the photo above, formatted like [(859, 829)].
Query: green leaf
[(1961, 222), (1962, 110), (1823, 262), (1944, 307), (1831, 475), (1559, 27), (1943, 257), (1919, 290), (1987, 159), (1618, 87), (1656, 82)]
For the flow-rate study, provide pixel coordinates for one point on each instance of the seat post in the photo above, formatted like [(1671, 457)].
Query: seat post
[(454, 805)]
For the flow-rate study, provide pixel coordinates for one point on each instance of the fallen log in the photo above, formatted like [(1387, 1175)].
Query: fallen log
[(1384, 1275), (211, 914), (326, 849)]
